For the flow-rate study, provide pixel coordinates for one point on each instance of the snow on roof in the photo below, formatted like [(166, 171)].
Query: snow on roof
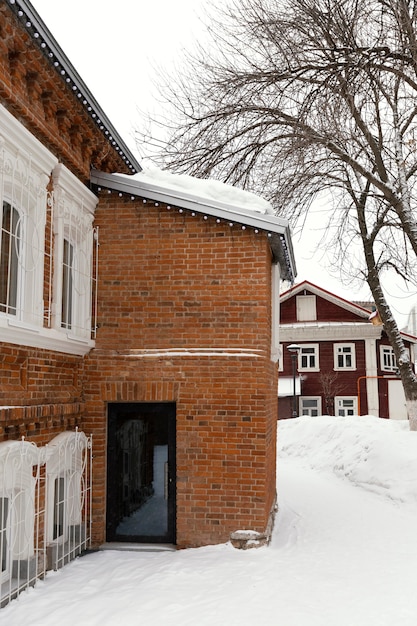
[(210, 198), (207, 188)]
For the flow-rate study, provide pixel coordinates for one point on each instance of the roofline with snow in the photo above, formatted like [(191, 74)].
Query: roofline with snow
[(277, 228), (41, 35)]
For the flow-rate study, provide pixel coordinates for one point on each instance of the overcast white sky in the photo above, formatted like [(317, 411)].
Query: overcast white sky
[(115, 47)]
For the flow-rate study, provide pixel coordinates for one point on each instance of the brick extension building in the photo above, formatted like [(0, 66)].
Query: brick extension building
[(345, 364), (137, 313)]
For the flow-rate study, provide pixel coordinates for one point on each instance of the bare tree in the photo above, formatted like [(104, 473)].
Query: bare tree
[(296, 98), (331, 387)]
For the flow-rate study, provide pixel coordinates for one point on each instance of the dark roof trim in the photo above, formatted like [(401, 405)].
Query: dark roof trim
[(48, 45), (278, 229)]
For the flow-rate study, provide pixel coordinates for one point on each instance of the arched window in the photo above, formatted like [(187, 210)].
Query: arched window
[(67, 467), (74, 243), (19, 466)]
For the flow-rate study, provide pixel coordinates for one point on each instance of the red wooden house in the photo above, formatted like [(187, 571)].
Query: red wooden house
[(339, 358)]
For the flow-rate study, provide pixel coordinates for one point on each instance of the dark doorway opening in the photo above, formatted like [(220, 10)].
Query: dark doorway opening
[(141, 490)]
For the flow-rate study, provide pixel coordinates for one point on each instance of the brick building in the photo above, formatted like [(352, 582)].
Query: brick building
[(138, 313), (345, 364)]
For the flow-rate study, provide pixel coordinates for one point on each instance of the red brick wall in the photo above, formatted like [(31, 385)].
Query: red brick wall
[(170, 280), (40, 393)]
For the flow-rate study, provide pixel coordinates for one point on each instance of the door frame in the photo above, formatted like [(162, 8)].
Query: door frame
[(116, 413)]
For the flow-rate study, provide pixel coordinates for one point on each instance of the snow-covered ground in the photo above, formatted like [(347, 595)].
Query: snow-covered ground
[(344, 549)]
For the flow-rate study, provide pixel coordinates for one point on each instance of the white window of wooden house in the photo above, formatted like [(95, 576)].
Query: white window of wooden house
[(346, 406), (10, 255), (388, 360), (308, 357), (310, 406), (306, 308), (344, 356)]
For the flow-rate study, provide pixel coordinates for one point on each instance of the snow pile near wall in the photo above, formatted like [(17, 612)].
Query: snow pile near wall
[(376, 454), (209, 189)]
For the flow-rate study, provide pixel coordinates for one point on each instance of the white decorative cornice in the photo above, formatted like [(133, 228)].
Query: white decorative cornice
[(332, 331)]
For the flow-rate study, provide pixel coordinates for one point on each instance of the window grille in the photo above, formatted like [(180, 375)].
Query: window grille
[(75, 252), (22, 241), (45, 504), (68, 477)]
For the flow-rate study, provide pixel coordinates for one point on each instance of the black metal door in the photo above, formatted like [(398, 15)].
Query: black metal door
[(141, 472)]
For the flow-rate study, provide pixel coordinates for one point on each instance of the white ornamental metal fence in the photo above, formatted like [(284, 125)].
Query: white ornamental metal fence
[(45, 508)]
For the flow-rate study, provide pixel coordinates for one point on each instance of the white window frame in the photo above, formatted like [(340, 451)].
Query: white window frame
[(25, 169), (309, 410), (12, 235), (67, 300), (306, 307), (301, 354), (388, 360), (5, 537), (74, 207), (339, 400), (336, 351)]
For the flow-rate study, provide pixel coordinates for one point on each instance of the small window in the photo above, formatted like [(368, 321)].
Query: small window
[(345, 407), (310, 406), (9, 259), (59, 508), (67, 285), (309, 357), (344, 356), (306, 308), (4, 549)]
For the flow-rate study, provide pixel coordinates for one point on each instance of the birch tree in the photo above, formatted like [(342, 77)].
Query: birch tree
[(295, 98)]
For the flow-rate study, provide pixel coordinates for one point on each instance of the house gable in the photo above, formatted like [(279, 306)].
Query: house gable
[(327, 306)]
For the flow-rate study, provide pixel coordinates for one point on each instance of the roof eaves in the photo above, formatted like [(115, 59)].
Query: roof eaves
[(48, 45), (277, 228)]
